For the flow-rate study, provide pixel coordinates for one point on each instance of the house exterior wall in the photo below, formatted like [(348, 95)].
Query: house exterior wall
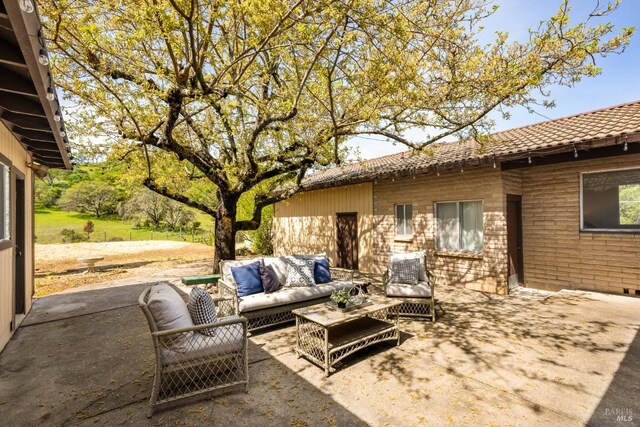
[(18, 156), (486, 272), (556, 254), (306, 223)]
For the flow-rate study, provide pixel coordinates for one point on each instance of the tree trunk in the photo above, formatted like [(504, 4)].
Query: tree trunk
[(225, 231)]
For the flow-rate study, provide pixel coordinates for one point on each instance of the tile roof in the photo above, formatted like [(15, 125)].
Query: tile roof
[(545, 137)]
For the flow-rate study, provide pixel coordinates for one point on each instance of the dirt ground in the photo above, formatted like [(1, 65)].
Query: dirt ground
[(57, 268)]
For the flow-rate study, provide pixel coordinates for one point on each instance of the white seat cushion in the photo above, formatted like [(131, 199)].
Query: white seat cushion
[(288, 296), (228, 339), (421, 290)]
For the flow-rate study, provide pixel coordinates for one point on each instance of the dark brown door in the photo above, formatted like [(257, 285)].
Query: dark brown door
[(514, 239), (20, 247), (347, 235)]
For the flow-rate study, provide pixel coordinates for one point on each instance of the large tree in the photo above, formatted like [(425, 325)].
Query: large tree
[(213, 100)]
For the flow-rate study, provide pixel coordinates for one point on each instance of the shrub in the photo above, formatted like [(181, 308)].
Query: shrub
[(72, 236), (116, 239), (262, 238)]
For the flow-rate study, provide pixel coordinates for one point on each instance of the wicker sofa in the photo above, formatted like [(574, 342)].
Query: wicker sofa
[(264, 310)]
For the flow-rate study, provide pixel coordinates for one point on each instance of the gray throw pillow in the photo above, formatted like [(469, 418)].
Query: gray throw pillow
[(405, 271), (299, 272), (202, 310)]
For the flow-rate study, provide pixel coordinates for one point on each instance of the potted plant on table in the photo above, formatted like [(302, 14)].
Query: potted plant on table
[(341, 297)]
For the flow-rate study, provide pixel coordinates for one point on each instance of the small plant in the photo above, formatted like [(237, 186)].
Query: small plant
[(89, 228), (341, 296)]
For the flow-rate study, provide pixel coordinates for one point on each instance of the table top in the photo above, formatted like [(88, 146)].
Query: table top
[(326, 316)]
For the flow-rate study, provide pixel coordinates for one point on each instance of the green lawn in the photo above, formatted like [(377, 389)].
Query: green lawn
[(50, 222)]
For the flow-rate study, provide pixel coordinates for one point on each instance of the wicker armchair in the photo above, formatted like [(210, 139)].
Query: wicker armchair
[(417, 300), (191, 365)]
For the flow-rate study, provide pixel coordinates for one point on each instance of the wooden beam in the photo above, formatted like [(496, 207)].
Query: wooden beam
[(35, 135), (14, 83), (11, 54), (40, 145), (25, 122), (21, 105)]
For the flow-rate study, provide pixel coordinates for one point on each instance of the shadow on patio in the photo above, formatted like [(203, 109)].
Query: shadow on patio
[(85, 357)]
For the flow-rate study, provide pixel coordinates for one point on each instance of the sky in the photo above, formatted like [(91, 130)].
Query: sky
[(618, 83)]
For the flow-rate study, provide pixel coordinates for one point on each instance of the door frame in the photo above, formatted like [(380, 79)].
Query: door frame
[(517, 199), (357, 243)]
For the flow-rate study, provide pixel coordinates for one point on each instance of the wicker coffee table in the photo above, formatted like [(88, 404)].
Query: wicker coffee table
[(326, 335)]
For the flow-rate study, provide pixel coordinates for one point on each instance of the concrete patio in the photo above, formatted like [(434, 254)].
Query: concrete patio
[(533, 358)]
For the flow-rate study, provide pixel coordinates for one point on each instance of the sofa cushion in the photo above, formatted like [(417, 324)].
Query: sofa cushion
[(289, 295), (321, 271), (411, 255), (269, 279), (225, 268), (310, 256), (169, 312), (405, 271), (247, 278), (202, 310), (421, 290), (300, 272), (279, 265), (228, 339)]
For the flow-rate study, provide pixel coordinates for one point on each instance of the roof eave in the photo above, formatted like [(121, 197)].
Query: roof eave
[(25, 26)]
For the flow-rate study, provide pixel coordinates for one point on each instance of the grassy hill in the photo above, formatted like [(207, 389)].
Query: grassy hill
[(50, 222)]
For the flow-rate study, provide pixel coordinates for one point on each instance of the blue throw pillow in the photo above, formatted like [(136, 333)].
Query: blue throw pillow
[(247, 279), (321, 271)]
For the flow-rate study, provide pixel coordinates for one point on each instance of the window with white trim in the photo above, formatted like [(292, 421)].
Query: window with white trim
[(459, 226), (5, 202), (404, 221), (611, 200)]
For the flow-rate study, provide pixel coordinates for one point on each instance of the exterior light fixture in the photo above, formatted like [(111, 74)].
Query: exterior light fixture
[(529, 160), (44, 57), (575, 152), (625, 147), (51, 95), (62, 132), (437, 171), (461, 167), (57, 116), (26, 6), (494, 162)]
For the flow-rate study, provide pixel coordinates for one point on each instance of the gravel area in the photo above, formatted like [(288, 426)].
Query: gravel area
[(65, 251)]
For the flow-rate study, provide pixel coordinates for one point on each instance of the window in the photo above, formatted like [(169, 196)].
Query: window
[(611, 200), (459, 226), (5, 202), (404, 221)]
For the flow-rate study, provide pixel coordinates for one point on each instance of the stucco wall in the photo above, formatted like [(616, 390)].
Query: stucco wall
[(306, 223), (18, 156), (556, 254)]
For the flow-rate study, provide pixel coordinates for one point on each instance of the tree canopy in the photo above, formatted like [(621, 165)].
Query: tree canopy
[(210, 100)]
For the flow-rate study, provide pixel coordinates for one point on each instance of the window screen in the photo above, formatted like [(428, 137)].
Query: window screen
[(404, 220)]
